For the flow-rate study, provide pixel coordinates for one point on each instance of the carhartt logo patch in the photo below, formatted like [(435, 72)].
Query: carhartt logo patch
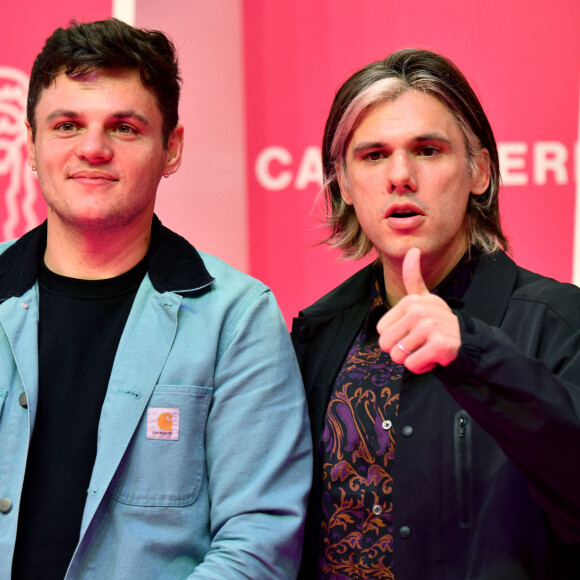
[(163, 423)]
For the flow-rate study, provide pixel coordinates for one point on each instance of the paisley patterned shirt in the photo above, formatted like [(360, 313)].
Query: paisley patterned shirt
[(358, 447)]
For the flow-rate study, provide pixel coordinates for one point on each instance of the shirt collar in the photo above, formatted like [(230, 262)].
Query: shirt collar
[(174, 264), (451, 289)]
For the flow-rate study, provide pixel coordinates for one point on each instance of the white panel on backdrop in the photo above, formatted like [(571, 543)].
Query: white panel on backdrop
[(124, 10), (206, 200)]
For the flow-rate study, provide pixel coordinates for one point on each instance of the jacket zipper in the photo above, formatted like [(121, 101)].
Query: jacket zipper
[(463, 477)]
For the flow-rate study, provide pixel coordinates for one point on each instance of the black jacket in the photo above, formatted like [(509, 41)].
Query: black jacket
[(487, 482)]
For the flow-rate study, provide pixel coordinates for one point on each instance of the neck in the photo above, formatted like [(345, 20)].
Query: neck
[(96, 254), (433, 269)]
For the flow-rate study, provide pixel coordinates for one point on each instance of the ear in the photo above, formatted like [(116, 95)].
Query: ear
[(174, 150), (481, 173), (30, 147), (342, 183)]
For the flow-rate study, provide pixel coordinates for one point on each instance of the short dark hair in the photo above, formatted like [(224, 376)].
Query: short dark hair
[(82, 48), (385, 80)]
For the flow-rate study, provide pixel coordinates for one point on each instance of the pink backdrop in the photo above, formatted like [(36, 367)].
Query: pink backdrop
[(22, 35), (259, 80), (523, 59)]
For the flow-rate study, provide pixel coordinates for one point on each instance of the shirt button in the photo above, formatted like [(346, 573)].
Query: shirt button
[(23, 400), (405, 532), (5, 505), (24, 305), (377, 510), (407, 431), (387, 425)]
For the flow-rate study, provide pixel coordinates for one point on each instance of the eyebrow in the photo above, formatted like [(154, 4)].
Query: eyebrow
[(130, 114), (61, 113), (427, 137), (368, 145), (439, 137)]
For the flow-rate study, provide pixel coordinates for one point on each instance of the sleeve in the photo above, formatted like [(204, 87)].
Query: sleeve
[(529, 403), (258, 449)]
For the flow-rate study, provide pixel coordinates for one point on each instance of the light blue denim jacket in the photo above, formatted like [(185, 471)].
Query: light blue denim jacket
[(226, 499)]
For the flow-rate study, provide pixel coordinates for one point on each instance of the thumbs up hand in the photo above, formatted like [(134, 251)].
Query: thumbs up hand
[(420, 331)]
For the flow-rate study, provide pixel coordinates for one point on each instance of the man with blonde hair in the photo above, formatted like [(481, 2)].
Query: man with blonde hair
[(443, 380)]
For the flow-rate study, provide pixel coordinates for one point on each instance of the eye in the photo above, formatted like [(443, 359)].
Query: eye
[(428, 151), (66, 127), (374, 155), (125, 129)]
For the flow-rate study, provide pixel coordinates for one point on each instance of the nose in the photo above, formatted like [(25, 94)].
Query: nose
[(400, 173), (94, 146)]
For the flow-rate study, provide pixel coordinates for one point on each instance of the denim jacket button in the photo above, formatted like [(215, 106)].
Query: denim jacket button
[(5, 505)]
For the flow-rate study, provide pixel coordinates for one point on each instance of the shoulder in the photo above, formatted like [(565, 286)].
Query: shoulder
[(226, 277), (242, 310), (175, 265), (562, 299), (234, 297), (526, 292)]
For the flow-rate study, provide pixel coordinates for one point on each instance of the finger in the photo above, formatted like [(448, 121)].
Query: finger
[(418, 360), (399, 352), (390, 318), (390, 335), (430, 346), (412, 277), (424, 359), (418, 366), (406, 345)]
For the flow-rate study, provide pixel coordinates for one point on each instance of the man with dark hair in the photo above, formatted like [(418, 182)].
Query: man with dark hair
[(141, 380), (443, 381)]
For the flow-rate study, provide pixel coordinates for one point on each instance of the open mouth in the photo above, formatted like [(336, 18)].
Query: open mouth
[(403, 214)]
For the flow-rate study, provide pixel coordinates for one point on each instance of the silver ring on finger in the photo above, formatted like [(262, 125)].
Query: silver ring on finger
[(403, 348)]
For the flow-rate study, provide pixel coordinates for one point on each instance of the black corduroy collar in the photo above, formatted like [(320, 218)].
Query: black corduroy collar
[(174, 264)]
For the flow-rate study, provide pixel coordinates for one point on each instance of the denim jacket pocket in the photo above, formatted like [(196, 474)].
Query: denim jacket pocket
[(165, 462)]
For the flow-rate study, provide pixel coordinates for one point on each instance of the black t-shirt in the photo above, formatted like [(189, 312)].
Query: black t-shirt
[(81, 322)]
